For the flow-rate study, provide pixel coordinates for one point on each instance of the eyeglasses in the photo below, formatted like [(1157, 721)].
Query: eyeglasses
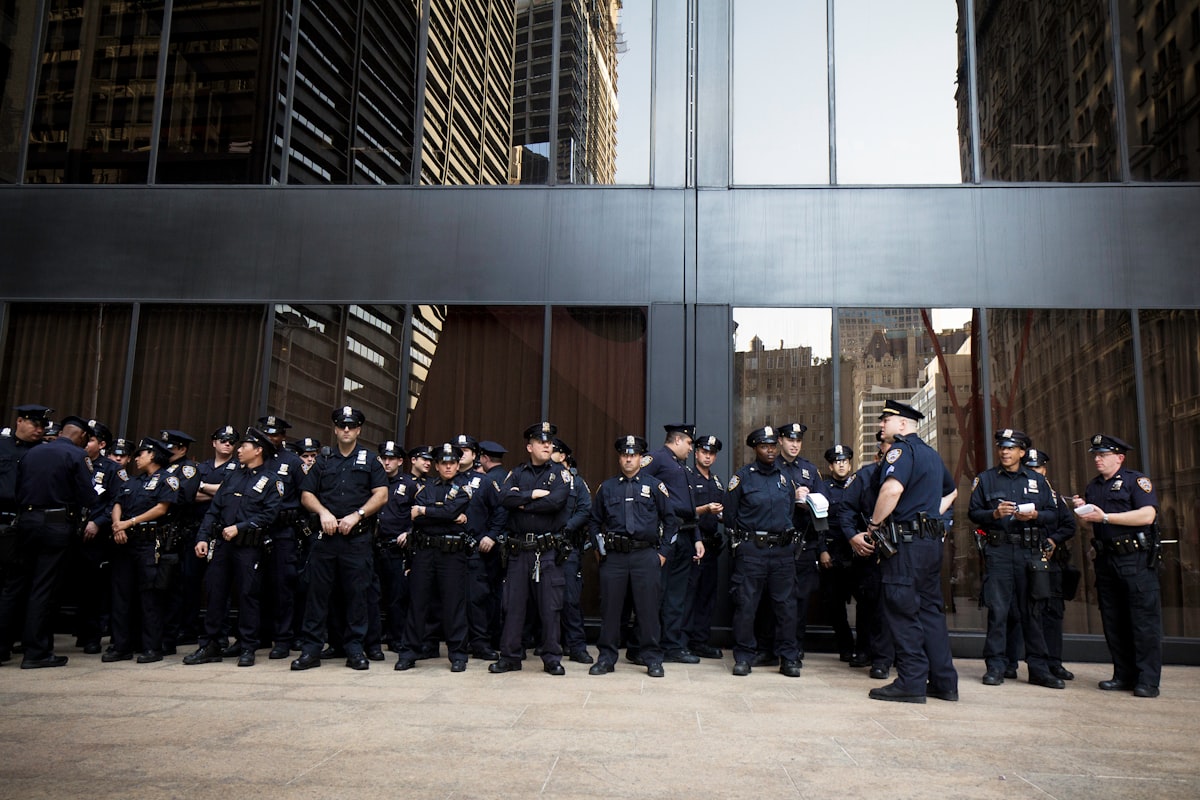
[(347, 426)]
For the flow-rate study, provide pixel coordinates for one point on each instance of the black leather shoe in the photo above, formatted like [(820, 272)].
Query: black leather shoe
[(707, 651), (993, 677), (503, 665), (405, 663), (600, 668), (358, 661), (208, 654), (279, 651), (1141, 690), (655, 671), (376, 654), (333, 652), (458, 666), (484, 654), (91, 648), (395, 647), (61, 661), (880, 673), (1010, 673), (554, 669), (169, 650), (860, 660), (681, 657), (150, 656), (581, 657), (633, 657), (1047, 680), (1062, 672), (1114, 685), (306, 661), (741, 668), (845, 655), (789, 668), (232, 651), (428, 653), (246, 658), (115, 655), (764, 660), (949, 695), (894, 694)]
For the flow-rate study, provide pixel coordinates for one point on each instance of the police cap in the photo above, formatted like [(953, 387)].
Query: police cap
[(307, 445), (175, 438), (101, 431), (121, 447), (51, 429), (542, 431), (34, 412), (1103, 443), (561, 447), (765, 435), (1036, 458), (225, 433), (793, 430), (631, 445), (466, 442), (685, 428), (493, 449), (272, 424), (448, 452), (391, 449), (260, 439), (348, 416), (893, 408), (839, 452), (154, 446), (78, 422), (1011, 438), (423, 451), (710, 443)]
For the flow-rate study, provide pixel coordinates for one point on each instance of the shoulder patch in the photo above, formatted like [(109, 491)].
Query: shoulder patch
[(734, 482), (173, 482), (717, 481), (189, 471), (647, 461), (974, 483), (662, 487), (279, 488), (1145, 485), (893, 455)]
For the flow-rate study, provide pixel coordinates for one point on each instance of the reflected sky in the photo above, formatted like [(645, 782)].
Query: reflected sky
[(812, 327)]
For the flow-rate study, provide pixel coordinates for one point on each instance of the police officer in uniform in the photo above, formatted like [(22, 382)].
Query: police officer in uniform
[(709, 495), (440, 542), (231, 537), (579, 512), (138, 522), (759, 513), (1059, 557), (669, 465), (54, 491), (478, 587), (395, 520), (874, 643), (345, 488), (835, 556), (1123, 510), (185, 572), (20, 439), (1015, 507), (804, 474), (535, 494), (281, 565), (915, 489), (486, 505), (631, 523), (93, 587)]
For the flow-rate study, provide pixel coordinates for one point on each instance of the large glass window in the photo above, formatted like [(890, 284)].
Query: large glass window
[(18, 23), (1160, 55), (1046, 91), (95, 101), (896, 66), (780, 100)]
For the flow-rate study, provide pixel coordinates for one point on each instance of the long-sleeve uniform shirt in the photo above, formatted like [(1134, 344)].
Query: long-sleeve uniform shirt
[(248, 499), (637, 507)]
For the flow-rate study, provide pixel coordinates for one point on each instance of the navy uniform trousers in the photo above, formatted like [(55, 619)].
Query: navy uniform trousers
[(639, 573), (232, 563), (548, 591), (913, 610), (769, 571), (43, 549), (1127, 590), (1005, 585)]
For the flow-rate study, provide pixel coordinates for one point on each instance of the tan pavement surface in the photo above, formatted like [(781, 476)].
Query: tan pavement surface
[(92, 730)]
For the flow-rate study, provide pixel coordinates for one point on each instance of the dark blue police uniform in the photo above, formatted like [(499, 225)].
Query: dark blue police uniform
[(579, 510), (12, 450), (391, 561), (703, 579), (873, 646)]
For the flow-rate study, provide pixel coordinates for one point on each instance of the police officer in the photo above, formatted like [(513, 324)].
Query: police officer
[(1123, 510), (307, 448), (759, 513), (1015, 507), (478, 586), (121, 453), (915, 489), (395, 520), (579, 510), (535, 494), (669, 465), (486, 505), (281, 565), (345, 488), (138, 522), (24, 435), (439, 541), (874, 643), (93, 588), (709, 495), (804, 474), (834, 554), (185, 573), (1059, 556), (231, 536), (631, 523), (54, 492)]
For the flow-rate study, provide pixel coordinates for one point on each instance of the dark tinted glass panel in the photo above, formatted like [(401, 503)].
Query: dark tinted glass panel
[(1046, 91), (95, 102), (475, 370), (386, 108), (69, 357), (18, 22), (1160, 54), (1061, 376), (896, 68), (214, 127), (1171, 372), (324, 357), (196, 368), (780, 92)]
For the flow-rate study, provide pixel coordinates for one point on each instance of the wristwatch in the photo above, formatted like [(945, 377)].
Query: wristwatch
[(361, 513)]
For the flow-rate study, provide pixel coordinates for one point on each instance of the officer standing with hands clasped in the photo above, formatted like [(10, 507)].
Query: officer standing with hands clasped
[(1121, 507), (915, 489), (628, 513)]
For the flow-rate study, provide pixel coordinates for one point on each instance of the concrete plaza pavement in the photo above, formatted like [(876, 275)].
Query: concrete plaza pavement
[(93, 730)]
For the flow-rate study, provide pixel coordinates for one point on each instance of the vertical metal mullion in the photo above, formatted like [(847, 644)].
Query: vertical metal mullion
[(547, 319), (422, 79), (985, 385), (831, 92), (293, 57), (973, 100), (555, 52), (130, 357), (1139, 384), (835, 342), (31, 90), (654, 84), (160, 91), (268, 351), (402, 397), (355, 90), (1119, 98)]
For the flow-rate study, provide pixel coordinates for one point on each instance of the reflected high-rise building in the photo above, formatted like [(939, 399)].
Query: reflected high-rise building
[(585, 139)]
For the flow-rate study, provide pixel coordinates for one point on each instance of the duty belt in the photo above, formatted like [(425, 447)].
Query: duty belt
[(143, 531), (442, 542), (1120, 544), (531, 541), (1028, 537), (53, 515), (913, 529), (765, 539), (624, 543)]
